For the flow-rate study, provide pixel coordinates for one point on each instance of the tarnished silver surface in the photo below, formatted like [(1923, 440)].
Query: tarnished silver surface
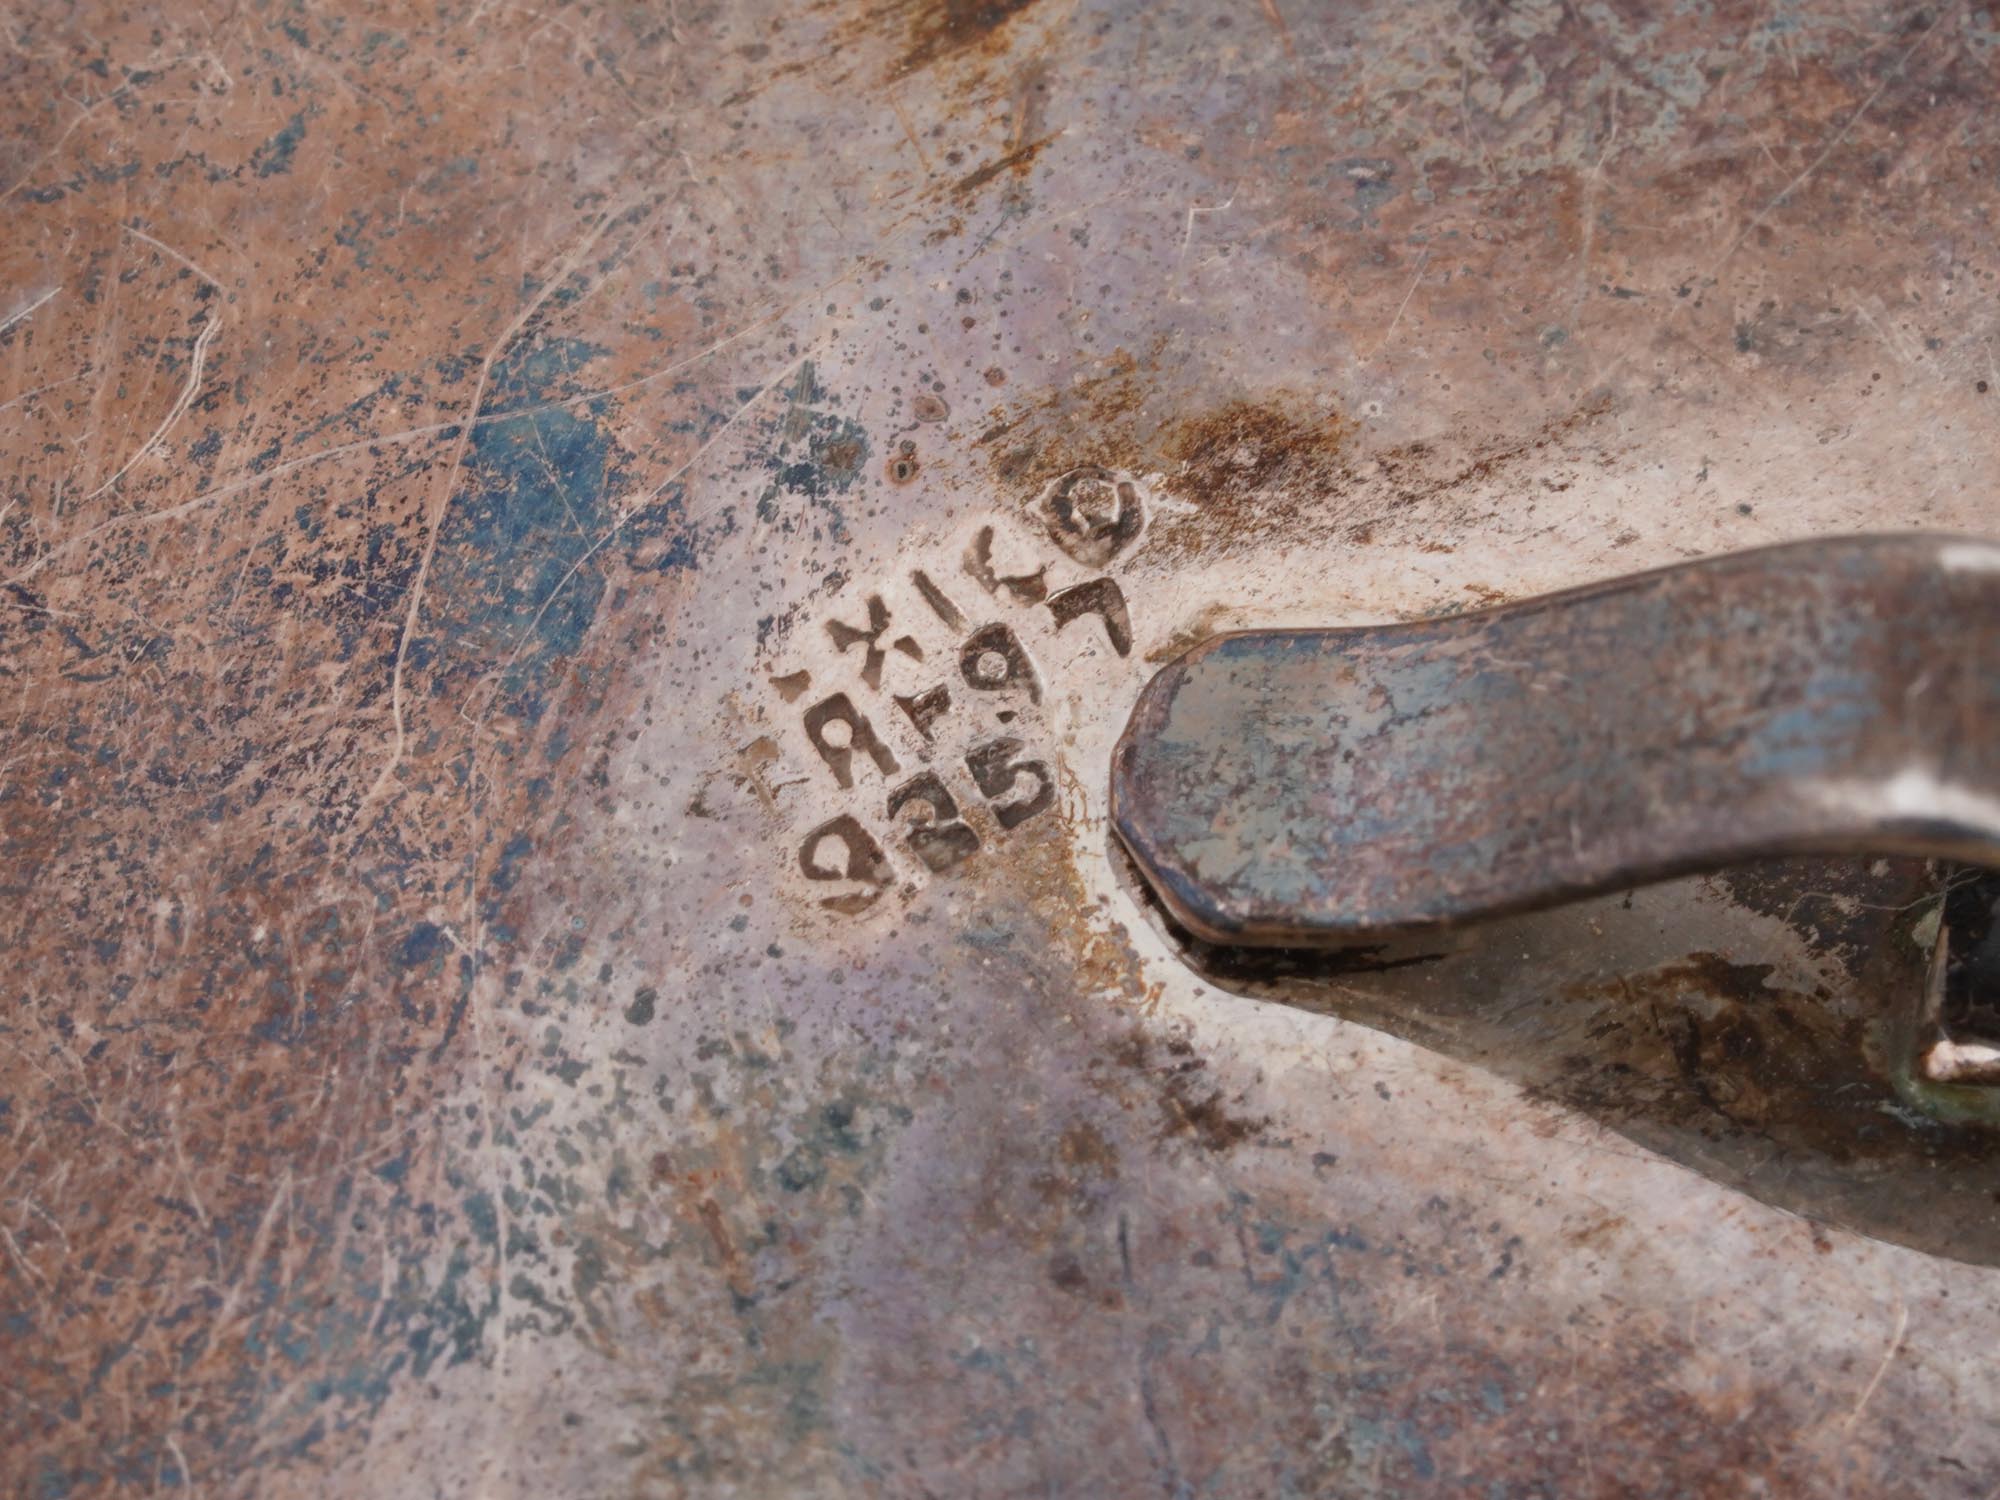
[(474, 1024), (1335, 787)]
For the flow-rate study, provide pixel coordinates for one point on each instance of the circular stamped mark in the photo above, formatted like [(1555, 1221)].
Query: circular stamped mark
[(1092, 513)]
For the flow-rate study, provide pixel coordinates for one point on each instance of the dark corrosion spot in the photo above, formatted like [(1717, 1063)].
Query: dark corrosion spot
[(814, 457), (903, 465), (1017, 160), (946, 28), (275, 155), (512, 582), (926, 407), (841, 458), (1190, 1106), (425, 942)]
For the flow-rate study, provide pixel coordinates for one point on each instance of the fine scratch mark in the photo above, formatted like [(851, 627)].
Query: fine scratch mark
[(21, 314), (991, 240), (1149, 1406), (30, 395), (199, 357), (172, 254), (406, 435), (259, 1244), (432, 429), (34, 1279), (34, 609), (1888, 1358), (1888, 339), (1277, 19), (1388, 333), (1593, 185), (909, 133), (223, 491), (98, 1116), (189, 390), (1187, 236), (181, 1463), (1472, 137), (1832, 145), (181, 1160), (494, 1175)]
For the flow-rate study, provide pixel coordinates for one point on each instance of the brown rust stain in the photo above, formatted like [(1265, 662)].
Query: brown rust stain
[(1092, 419), (1258, 470), (1715, 1038), (1017, 160), (1714, 1048), (1244, 448), (1086, 1148), (1189, 1104), (1210, 619), (947, 29), (919, 34), (1033, 885), (902, 466), (1268, 464), (1085, 1158)]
